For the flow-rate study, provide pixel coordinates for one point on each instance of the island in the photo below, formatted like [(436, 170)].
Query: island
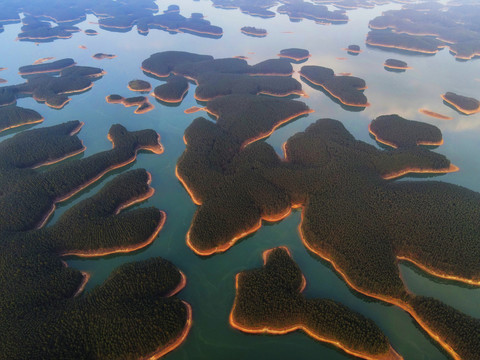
[(397, 132), (463, 104), (318, 13), (42, 67), (14, 116), (141, 102), (353, 50), (48, 89), (270, 300), (252, 8), (394, 64), (42, 60), (405, 42), (297, 55), (346, 89), (139, 85), (239, 183), (253, 31), (90, 32), (173, 91), (101, 56)]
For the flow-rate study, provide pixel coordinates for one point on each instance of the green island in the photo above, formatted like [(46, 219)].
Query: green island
[(353, 50), (29, 195), (139, 85), (36, 30), (270, 300), (50, 67), (51, 90), (173, 91), (141, 102), (397, 132), (44, 300), (319, 13), (192, 66), (239, 182), (250, 7), (463, 104), (296, 55), (90, 32), (212, 85), (14, 116), (346, 89), (416, 28), (394, 64), (101, 56), (253, 31)]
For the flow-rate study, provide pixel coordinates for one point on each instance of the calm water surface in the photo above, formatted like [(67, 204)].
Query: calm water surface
[(210, 288)]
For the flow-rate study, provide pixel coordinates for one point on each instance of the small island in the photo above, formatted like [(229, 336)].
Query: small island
[(394, 64), (346, 89), (270, 300), (253, 31), (141, 102), (463, 104), (353, 50), (139, 85), (101, 56), (397, 132), (42, 67), (90, 32), (173, 91), (434, 114), (297, 55)]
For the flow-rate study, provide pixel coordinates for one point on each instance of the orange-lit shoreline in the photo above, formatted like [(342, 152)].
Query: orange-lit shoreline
[(46, 71), (23, 124), (459, 108), (145, 103), (171, 100), (42, 60), (440, 274), (139, 198), (434, 114), (145, 89), (390, 355), (371, 43), (395, 146), (333, 95), (180, 286), (157, 149), (193, 109), (393, 175), (259, 34), (404, 306), (117, 250), (86, 277), (163, 351), (397, 67)]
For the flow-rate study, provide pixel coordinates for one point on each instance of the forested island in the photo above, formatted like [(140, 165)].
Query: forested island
[(139, 85), (270, 300), (463, 104), (318, 13), (297, 55), (141, 102), (395, 64), (49, 89), (353, 49), (253, 31), (101, 56), (173, 91), (14, 116), (397, 132), (346, 89)]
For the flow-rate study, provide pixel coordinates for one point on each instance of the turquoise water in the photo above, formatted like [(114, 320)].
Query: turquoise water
[(210, 287)]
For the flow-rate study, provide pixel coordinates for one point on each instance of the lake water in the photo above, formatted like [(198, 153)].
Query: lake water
[(210, 285)]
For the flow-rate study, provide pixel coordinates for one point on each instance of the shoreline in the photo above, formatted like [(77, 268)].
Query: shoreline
[(395, 146), (397, 174), (390, 355), (434, 114), (459, 108)]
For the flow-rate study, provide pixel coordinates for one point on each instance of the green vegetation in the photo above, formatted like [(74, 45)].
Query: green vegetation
[(353, 49), (271, 297), (41, 304), (173, 91), (465, 105), (41, 31), (139, 85), (296, 55), (90, 32), (396, 64), (396, 131), (347, 89), (28, 195), (318, 13), (253, 31), (163, 63), (429, 29), (454, 327), (212, 85), (13, 116), (51, 90), (100, 56), (54, 66), (251, 7)]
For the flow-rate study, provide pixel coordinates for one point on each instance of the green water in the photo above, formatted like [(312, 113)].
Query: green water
[(210, 287)]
